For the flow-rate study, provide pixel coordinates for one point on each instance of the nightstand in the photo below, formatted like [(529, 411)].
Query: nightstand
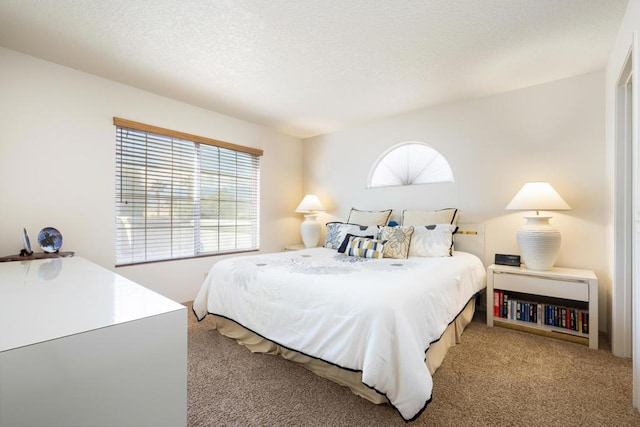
[(294, 247), (561, 303)]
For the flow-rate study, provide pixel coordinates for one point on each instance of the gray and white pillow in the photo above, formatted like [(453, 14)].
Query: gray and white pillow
[(337, 231), (397, 241)]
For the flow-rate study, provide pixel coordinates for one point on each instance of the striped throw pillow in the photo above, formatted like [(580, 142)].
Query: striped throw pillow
[(365, 248)]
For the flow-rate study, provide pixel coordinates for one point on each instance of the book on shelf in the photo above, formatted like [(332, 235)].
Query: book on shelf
[(515, 307), (505, 305)]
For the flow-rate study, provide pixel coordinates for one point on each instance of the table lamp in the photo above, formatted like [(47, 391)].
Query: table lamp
[(310, 228), (538, 240)]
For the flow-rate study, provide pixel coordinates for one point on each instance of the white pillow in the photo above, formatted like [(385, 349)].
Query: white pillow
[(369, 217), (432, 240), (442, 216)]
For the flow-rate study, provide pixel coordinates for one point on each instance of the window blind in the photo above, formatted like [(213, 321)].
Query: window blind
[(178, 198)]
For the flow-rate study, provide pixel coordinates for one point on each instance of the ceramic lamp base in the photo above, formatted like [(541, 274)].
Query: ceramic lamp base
[(539, 243), (310, 231)]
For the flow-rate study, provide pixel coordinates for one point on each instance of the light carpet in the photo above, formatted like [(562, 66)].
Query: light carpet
[(495, 377)]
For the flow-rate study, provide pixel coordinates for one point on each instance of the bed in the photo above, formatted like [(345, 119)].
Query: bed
[(378, 326)]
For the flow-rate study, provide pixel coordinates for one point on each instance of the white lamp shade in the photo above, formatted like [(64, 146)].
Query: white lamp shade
[(538, 240), (310, 203), (538, 196)]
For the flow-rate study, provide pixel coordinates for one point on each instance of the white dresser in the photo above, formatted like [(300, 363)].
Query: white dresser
[(83, 346)]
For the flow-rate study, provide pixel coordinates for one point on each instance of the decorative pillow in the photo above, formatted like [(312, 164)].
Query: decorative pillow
[(432, 240), (337, 231), (369, 217), (398, 240), (442, 216), (365, 248), (345, 242)]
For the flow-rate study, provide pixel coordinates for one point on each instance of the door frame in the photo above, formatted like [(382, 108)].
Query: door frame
[(635, 290), (621, 303)]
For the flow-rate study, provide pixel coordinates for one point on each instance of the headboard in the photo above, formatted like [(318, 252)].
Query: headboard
[(470, 238)]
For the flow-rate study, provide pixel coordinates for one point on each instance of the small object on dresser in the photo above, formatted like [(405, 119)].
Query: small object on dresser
[(27, 244), (50, 239), (512, 260)]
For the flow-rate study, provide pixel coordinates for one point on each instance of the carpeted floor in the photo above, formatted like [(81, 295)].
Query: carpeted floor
[(496, 377)]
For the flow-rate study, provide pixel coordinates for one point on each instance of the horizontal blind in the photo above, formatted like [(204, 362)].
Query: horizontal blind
[(177, 198)]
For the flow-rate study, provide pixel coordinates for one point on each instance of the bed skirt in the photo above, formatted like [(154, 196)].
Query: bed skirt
[(352, 379)]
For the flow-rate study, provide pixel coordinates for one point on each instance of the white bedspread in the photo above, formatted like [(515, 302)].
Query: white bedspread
[(377, 316)]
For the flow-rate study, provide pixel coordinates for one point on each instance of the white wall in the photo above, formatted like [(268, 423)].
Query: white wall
[(57, 165), (552, 132)]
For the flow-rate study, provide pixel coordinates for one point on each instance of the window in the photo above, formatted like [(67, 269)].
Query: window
[(181, 196), (409, 163)]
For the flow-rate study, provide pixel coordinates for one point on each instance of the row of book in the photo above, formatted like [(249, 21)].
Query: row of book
[(507, 307)]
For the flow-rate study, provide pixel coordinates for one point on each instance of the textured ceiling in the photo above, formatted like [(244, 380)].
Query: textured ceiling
[(307, 67)]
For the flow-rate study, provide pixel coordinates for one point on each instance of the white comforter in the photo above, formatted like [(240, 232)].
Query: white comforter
[(377, 316)]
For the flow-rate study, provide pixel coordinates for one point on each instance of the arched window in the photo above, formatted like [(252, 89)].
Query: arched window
[(409, 163)]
